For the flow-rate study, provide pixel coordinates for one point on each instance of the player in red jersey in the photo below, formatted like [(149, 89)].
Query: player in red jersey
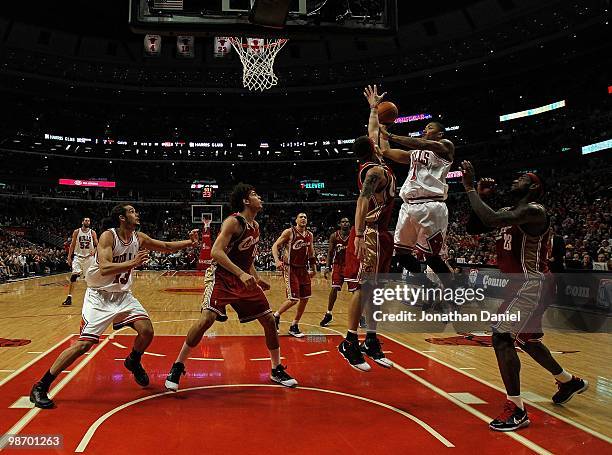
[(370, 245), (522, 245), (299, 254), (336, 253), (232, 280)]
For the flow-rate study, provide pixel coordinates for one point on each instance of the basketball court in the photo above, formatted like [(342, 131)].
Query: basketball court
[(440, 395)]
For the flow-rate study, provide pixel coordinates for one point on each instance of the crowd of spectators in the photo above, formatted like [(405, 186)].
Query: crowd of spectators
[(577, 201), (20, 258)]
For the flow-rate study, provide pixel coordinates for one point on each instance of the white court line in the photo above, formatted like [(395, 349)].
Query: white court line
[(154, 354), (34, 360), (6, 371), (92, 429), (526, 442), (427, 351), (467, 368), (27, 418), (119, 345), (36, 352), (316, 353), (265, 358), (202, 358), (488, 384)]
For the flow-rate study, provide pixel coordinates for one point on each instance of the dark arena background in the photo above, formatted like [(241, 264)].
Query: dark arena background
[(167, 105)]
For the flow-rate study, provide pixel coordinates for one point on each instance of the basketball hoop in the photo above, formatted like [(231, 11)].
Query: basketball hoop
[(257, 56)]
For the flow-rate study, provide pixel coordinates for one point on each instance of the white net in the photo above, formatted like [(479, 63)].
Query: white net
[(257, 56)]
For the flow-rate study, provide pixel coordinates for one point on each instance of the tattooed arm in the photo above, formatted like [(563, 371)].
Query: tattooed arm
[(374, 178)]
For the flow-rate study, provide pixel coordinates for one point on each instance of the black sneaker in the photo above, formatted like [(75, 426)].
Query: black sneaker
[(38, 396), (372, 348), (362, 323), (277, 322), (326, 320), (294, 330), (67, 302), (352, 354), (568, 389), (279, 375), (140, 375), (173, 378), (511, 419)]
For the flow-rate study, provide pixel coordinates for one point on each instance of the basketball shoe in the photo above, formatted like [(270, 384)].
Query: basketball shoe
[(174, 377), (38, 396), (512, 418), (279, 375), (352, 354), (140, 375), (295, 331), (326, 320), (372, 348), (67, 302), (568, 389)]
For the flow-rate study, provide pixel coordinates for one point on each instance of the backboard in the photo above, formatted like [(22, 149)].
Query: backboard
[(231, 18)]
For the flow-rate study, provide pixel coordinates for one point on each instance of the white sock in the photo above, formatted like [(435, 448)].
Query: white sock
[(294, 322), (517, 401), (276, 314), (70, 295), (563, 377), (185, 350), (329, 312), (275, 357), (353, 331)]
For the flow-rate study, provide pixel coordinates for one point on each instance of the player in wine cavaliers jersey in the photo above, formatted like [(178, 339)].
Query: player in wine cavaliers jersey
[(522, 244), (80, 254), (370, 245), (232, 280), (298, 256), (336, 254), (109, 297)]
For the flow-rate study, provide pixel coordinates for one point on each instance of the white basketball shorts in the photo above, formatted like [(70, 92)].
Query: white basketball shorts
[(422, 226), (101, 308), (81, 264)]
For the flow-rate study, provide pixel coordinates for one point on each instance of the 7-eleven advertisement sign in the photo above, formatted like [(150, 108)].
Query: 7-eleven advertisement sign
[(222, 46)]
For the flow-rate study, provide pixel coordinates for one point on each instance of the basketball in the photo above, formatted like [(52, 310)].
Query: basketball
[(387, 112)]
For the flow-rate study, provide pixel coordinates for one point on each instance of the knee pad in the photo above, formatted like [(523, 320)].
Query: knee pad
[(73, 278)]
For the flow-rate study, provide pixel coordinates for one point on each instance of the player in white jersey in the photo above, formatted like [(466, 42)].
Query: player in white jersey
[(109, 298), (423, 217), (80, 255)]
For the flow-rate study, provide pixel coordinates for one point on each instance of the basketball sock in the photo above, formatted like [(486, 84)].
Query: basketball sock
[(563, 377), (329, 312), (276, 314), (275, 357), (351, 336), (135, 355), (70, 295), (517, 401), (371, 335), (295, 322), (185, 350), (47, 379)]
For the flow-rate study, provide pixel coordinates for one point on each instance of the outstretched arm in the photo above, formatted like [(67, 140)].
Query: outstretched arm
[(520, 215), (168, 247), (443, 148)]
